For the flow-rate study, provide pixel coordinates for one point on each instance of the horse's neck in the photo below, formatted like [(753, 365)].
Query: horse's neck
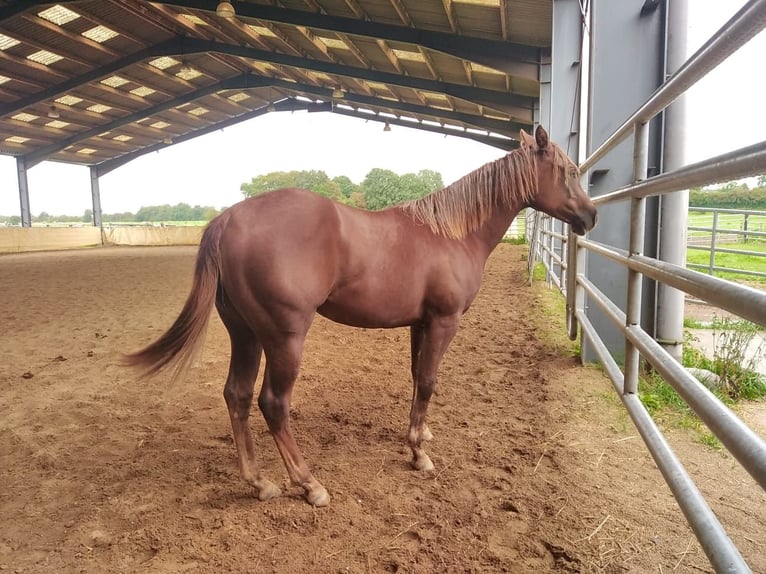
[(492, 232)]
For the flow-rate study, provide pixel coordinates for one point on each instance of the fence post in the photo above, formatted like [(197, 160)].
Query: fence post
[(745, 225), (713, 239), (636, 247)]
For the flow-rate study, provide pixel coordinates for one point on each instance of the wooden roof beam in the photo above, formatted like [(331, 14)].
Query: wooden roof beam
[(515, 59)]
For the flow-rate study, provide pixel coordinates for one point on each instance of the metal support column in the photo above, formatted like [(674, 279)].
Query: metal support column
[(674, 206), (95, 192), (620, 32), (21, 171)]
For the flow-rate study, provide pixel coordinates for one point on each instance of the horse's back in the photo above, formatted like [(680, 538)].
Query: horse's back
[(280, 247)]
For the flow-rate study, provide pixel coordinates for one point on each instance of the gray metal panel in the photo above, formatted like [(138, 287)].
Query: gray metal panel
[(627, 55), (566, 49)]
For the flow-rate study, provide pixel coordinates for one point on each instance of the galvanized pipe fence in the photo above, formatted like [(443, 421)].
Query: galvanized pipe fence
[(727, 226), (567, 257)]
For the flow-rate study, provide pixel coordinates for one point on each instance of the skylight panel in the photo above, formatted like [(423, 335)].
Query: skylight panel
[(114, 81), (24, 117), (377, 86), (58, 124), (485, 69), (333, 43), (490, 3), (4, 79), (238, 97), (7, 42), (142, 91), (262, 30), (164, 62), (68, 100), (17, 139), (98, 108), (160, 125), (198, 111), (408, 55), (194, 19), (122, 138), (44, 57), (188, 73), (100, 34), (58, 15), (435, 96), (86, 151)]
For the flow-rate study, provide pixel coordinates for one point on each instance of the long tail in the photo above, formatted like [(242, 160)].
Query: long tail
[(180, 344)]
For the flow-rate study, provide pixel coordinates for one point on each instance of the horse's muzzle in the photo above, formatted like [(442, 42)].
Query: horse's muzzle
[(584, 221)]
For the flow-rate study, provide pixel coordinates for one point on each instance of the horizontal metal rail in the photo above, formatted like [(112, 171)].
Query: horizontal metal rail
[(741, 300), (728, 211), (743, 26), (726, 270), (744, 162), (746, 446), (721, 551), (725, 231), (727, 250)]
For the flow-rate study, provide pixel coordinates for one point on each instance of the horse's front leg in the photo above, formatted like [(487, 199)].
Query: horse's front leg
[(416, 341), (437, 334)]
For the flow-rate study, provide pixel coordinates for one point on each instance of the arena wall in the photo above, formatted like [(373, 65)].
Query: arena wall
[(21, 239)]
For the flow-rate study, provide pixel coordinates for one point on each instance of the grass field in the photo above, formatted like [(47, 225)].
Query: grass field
[(734, 221), (755, 263), (738, 242)]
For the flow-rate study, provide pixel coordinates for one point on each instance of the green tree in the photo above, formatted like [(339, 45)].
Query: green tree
[(762, 180), (383, 188), (87, 216), (314, 180), (347, 187)]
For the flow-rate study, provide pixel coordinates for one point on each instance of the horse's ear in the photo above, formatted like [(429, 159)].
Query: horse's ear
[(526, 139), (541, 137)]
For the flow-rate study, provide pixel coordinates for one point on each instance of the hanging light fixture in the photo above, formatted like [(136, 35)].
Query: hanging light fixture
[(53, 112), (167, 140), (225, 10), (387, 127), (338, 92), (271, 107)]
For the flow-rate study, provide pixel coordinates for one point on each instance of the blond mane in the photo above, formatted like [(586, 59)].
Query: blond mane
[(465, 205)]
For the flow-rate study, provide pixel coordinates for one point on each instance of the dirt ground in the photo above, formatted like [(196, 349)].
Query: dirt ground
[(537, 467)]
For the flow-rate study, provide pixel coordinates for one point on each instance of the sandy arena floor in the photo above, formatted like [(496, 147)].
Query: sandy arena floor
[(537, 467)]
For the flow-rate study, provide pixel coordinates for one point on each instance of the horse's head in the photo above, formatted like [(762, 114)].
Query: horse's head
[(559, 193)]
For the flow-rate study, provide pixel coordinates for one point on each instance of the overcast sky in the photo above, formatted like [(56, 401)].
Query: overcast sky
[(725, 112)]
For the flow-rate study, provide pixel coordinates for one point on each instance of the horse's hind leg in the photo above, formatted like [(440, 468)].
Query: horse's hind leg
[(238, 393), (437, 335), (283, 359)]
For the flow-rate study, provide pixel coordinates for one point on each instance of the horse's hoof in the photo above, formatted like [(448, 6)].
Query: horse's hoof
[(423, 462), (318, 496), (268, 490)]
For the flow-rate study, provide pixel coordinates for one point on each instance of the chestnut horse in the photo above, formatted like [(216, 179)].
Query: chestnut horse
[(269, 263)]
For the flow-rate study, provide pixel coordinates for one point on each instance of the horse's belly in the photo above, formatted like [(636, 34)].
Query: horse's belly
[(370, 312)]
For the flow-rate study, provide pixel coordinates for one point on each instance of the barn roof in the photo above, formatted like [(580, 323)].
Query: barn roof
[(102, 82)]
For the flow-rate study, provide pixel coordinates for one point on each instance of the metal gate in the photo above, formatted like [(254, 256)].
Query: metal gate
[(564, 257)]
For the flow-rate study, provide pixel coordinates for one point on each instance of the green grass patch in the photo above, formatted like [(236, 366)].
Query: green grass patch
[(738, 379), (755, 263), (550, 316)]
